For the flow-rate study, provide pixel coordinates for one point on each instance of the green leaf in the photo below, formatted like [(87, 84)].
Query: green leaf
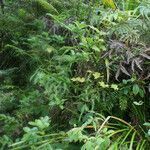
[(89, 145), (95, 48), (114, 86), (147, 124), (41, 123), (78, 79), (96, 75), (138, 103), (102, 84), (148, 132), (50, 49), (141, 92), (104, 143), (76, 134), (124, 81), (135, 89), (45, 6), (109, 3), (114, 146)]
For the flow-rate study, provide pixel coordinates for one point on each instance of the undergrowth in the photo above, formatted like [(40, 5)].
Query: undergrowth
[(74, 75)]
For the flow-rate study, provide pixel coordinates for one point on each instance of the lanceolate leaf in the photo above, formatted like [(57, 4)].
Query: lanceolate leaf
[(145, 56), (147, 124), (135, 89), (117, 73), (123, 69), (138, 103), (107, 69), (45, 6)]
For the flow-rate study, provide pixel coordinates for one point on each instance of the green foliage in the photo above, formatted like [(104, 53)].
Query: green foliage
[(101, 136), (44, 7), (67, 64)]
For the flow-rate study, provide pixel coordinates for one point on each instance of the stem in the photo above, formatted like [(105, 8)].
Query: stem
[(116, 118)]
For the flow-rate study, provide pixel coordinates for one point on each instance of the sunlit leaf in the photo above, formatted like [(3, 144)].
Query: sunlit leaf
[(50, 49), (78, 79), (138, 103), (96, 75), (102, 84), (109, 3), (96, 49), (147, 124), (114, 86)]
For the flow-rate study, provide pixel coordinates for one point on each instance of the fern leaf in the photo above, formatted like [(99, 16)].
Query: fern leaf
[(45, 7)]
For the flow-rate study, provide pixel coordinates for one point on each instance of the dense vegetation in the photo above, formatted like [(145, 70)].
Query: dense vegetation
[(74, 74)]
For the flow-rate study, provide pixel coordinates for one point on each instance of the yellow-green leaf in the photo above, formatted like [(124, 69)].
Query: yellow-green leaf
[(109, 3), (102, 84), (50, 49), (89, 71), (114, 86), (96, 75), (78, 79)]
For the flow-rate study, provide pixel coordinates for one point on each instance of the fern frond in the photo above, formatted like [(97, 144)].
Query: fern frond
[(44, 7)]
